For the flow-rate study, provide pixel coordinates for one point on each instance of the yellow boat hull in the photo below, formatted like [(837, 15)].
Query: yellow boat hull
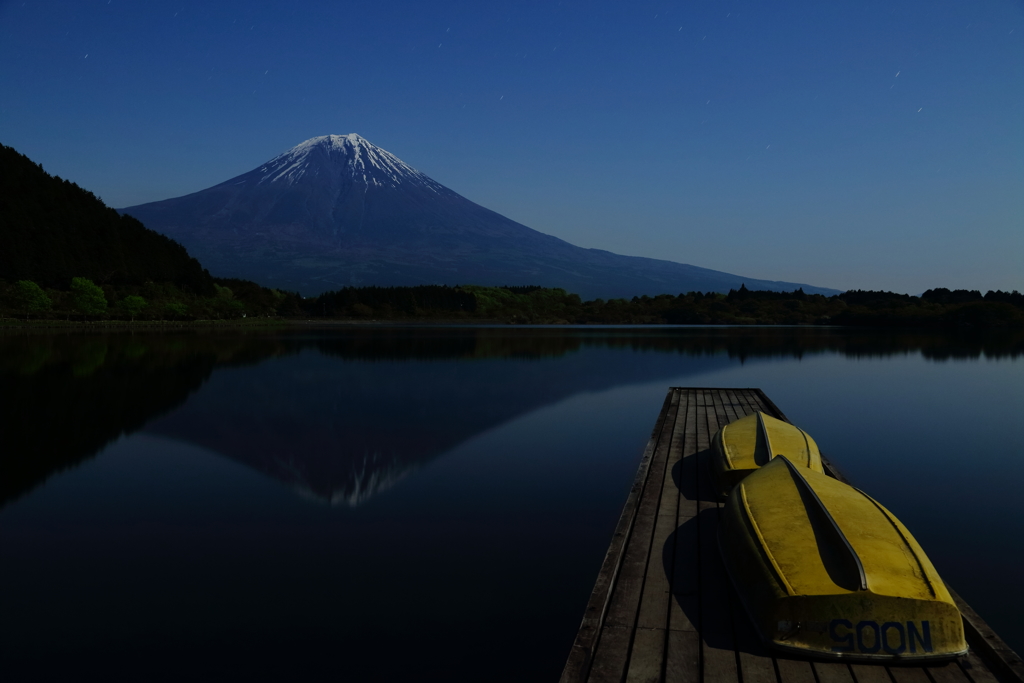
[(744, 445), (825, 571)]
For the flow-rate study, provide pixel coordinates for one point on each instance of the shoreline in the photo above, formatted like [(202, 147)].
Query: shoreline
[(14, 324)]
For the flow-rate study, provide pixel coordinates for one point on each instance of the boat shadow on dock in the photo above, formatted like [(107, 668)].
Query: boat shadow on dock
[(701, 589)]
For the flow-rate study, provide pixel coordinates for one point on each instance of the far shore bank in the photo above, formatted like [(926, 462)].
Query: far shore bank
[(270, 324)]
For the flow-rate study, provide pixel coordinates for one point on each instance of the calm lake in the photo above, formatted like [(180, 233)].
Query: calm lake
[(432, 503)]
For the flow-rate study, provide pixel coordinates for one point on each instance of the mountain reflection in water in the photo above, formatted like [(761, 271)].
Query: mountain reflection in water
[(344, 413)]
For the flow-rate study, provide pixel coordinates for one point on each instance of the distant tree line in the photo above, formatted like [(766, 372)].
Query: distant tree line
[(939, 307), (233, 299), (391, 302), (84, 300), (935, 308)]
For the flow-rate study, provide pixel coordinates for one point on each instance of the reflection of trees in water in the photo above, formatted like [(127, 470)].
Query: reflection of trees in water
[(387, 344), (64, 397), (795, 342)]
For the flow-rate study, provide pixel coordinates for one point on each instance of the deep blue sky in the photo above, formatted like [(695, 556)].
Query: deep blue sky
[(872, 145)]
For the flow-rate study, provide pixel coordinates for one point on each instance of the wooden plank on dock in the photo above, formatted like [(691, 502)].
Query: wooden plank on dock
[(984, 640), (864, 673), (682, 661), (977, 669), (577, 667), (908, 674), (794, 671), (629, 586), (832, 672), (663, 609), (948, 673)]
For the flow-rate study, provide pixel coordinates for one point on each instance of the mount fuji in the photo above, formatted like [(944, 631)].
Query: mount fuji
[(338, 211)]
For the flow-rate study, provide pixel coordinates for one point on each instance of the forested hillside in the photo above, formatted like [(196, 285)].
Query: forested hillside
[(65, 255), (51, 231)]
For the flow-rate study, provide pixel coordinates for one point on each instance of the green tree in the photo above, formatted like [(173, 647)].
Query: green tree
[(176, 309), (89, 299), (133, 305), (30, 297)]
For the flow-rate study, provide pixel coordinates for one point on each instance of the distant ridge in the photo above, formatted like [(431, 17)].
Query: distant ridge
[(338, 211)]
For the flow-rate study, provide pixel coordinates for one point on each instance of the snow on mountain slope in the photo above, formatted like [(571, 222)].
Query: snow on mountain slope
[(347, 155)]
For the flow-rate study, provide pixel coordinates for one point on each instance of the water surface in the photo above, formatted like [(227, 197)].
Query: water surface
[(420, 503)]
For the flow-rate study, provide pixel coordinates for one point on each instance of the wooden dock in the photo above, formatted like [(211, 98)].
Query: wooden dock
[(663, 609)]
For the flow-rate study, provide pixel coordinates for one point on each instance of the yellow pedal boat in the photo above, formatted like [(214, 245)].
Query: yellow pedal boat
[(825, 571), (744, 445)]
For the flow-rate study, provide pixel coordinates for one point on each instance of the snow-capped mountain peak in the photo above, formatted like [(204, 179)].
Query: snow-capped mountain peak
[(348, 156), (338, 211)]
